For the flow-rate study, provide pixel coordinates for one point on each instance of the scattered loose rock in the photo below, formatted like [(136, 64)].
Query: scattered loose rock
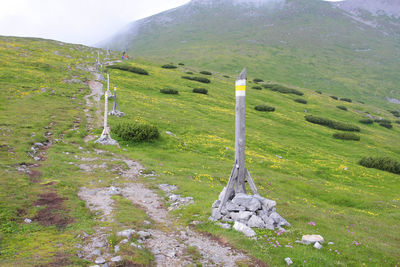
[(288, 261), (311, 239)]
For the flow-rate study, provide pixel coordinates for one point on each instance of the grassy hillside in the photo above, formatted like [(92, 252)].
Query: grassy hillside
[(305, 43), (311, 175)]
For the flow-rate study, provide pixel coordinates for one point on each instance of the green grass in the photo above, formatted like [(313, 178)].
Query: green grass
[(318, 178)]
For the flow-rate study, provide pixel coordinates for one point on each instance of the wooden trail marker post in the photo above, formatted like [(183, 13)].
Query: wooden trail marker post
[(115, 111), (236, 183), (108, 85), (105, 138)]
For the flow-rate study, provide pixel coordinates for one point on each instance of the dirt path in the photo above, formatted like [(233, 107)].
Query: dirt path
[(171, 245)]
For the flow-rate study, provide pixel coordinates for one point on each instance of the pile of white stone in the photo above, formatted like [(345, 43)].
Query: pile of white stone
[(116, 113), (248, 210)]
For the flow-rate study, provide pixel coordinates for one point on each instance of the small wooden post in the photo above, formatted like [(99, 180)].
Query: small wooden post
[(105, 137), (108, 85)]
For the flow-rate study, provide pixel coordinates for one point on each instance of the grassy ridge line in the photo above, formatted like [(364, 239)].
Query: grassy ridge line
[(311, 181)]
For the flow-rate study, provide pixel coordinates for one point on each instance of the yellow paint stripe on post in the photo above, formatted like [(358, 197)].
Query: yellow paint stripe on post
[(240, 87)]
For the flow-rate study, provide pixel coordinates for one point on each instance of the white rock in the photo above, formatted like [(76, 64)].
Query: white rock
[(317, 245), (330, 243), (114, 190), (256, 221), (124, 241), (247, 231), (279, 220), (117, 249), (267, 203), (136, 246), (310, 239), (116, 258), (225, 225), (289, 261), (249, 202), (100, 260), (144, 234), (28, 221), (241, 215), (126, 233)]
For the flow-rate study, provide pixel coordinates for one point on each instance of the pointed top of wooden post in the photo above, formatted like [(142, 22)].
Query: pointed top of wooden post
[(242, 75)]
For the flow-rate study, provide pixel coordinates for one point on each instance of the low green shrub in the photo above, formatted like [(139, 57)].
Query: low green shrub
[(256, 87), (386, 125), (383, 121), (301, 101), (347, 136), (334, 97), (205, 72), (168, 66), (332, 124), (395, 113), (197, 79), (264, 108), (169, 91), (346, 99), (257, 80), (342, 108), (129, 68), (189, 72), (181, 64), (203, 91), (282, 89), (366, 121), (381, 163), (318, 92), (226, 76), (136, 132)]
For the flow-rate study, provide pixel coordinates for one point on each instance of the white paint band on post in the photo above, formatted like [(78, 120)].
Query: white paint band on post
[(240, 87)]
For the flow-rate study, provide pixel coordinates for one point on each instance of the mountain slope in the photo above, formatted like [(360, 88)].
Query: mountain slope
[(302, 43)]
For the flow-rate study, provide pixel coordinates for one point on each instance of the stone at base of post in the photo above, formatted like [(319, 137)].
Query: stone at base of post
[(116, 113), (105, 138)]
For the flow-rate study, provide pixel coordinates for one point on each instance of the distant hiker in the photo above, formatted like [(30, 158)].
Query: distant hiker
[(123, 55), (126, 57)]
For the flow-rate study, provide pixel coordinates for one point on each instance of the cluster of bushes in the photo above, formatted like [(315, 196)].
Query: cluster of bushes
[(169, 91), (282, 89), (381, 163), (257, 87), (203, 91), (226, 76), (347, 136), (395, 113), (301, 101), (342, 108), (168, 66), (398, 122), (197, 79), (366, 121), (318, 92), (346, 99), (257, 80), (181, 64), (334, 97), (136, 132), (129, 68), (205, 72), (332, 124), (264, 108), (189, 72), (386, 125)]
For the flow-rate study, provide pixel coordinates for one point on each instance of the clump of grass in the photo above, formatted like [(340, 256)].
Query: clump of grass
[(203, 91), (264, 107), (197, 79), (168, 66), (258, 80), (347, 136), (136, 132), (334, 97), (226, 76), (129, 68), (169, 91), (256, 87), (181, 64), (318, 92), (301, 101), (342, 108), (189, 72), (366, 121), (282, 89), (383, 121), (332, 124), (205, 72), (381, 163), (346, 99)]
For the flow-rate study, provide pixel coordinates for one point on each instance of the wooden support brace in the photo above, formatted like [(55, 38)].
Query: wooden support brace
[(229, 188), (251, 183)]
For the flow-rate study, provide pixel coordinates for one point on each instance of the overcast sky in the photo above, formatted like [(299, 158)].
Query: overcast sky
[(75, 21)]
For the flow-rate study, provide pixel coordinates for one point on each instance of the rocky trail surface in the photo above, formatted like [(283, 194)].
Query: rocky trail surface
[(167, 241)]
